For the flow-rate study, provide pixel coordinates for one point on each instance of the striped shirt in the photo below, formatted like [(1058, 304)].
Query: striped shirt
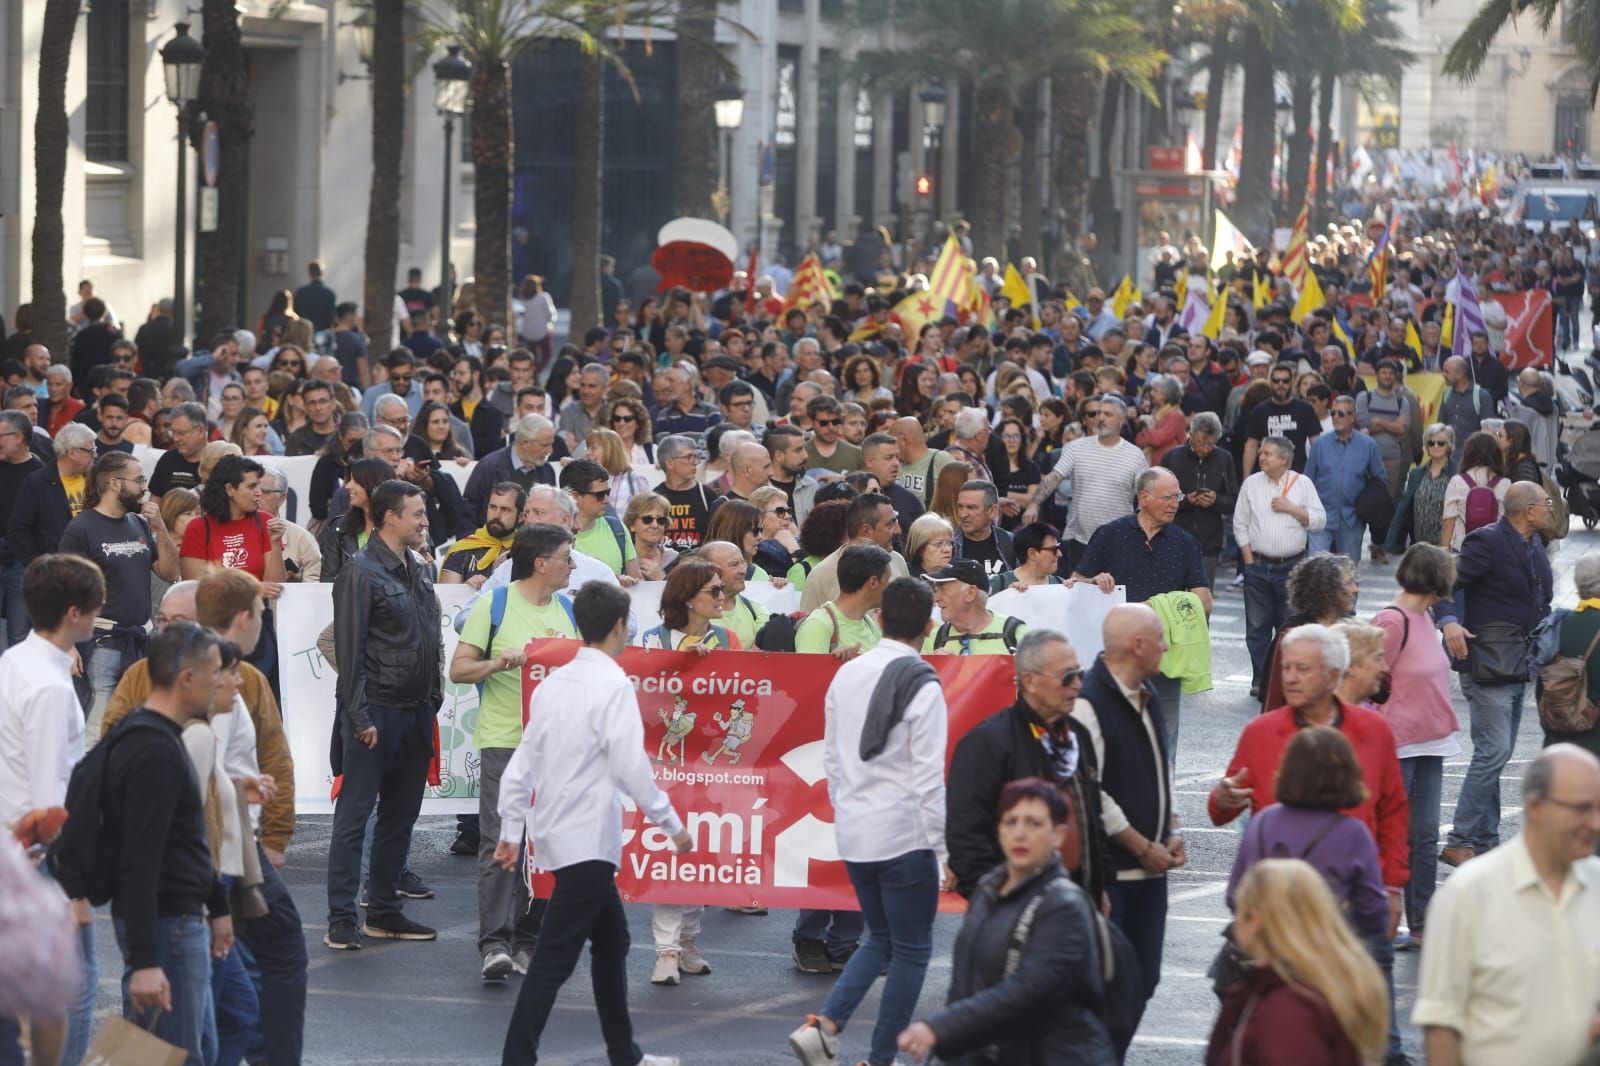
[(1102, 483), (1261, 529)]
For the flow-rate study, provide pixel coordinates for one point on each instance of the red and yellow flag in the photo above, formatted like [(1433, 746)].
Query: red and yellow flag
[(810, 284), (1294, 257)]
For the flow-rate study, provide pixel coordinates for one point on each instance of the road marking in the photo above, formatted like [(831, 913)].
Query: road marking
[(1199, 892)]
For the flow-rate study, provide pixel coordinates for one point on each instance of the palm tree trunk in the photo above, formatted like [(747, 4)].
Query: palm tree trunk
[(992, 132), (1255, 169), (694, 162), (383, 201), (1073, 100), (1102, 192), (1029, 185), (1303, 90), (588, 176), (493, 149), (225, 100), (1326, 80), (50, 176), (1216, 82)]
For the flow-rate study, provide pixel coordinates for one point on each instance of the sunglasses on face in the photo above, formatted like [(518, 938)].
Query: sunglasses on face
[(825, 423), (623, 418), (653, 519), (781, 512), (1282, 381), (1438, 444), (598, 494), (716, 591)]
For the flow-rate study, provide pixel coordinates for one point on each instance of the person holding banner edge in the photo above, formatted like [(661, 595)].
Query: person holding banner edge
[(582, 750)]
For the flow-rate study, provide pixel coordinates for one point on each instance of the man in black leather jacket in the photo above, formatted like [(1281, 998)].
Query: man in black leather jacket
[(390, 654), (1034, 737)]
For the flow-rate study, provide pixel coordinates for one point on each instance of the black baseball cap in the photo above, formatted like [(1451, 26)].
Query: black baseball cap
[(969, 570)]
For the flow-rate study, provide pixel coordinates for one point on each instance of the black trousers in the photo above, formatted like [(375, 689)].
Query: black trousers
[(584, 907), (277, 942), (391, 776)]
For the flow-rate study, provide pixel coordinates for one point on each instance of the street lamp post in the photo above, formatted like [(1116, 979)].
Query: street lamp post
[(933, 97), (729, 109), (451, 76), (181, 59)]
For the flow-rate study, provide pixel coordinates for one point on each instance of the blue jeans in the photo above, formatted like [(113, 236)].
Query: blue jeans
[(238, 1011), (1382, 950), (183, 951), (12, 608), (1423, 777), (1169, 690), (1139, 909), (839, 931), (80, 1019), (1266, 605), (11, 1042), (1343, 539), (899, 898), (1496, 715), (104, 670)]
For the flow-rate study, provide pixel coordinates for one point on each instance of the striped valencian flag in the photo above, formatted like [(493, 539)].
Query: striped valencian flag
[(948, 282), (1294, 257), (1469, 314), (809, 284)]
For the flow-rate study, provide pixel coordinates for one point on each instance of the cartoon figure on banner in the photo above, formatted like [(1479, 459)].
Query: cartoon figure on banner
[(736, 729), (679, 723)]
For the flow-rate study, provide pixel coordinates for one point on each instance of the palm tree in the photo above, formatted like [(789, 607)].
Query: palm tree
[(50, 175), (225, 100), (1580, 29), (694, 154), (388, 136), (588, 192), (999, 50)]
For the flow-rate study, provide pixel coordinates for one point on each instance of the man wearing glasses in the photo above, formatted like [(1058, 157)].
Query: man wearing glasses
[(599, 534), (17, 463), (827, 450), (1285, 416), (1340, 464), (179, 468), (51, 497), (691, 504), (124, 535)]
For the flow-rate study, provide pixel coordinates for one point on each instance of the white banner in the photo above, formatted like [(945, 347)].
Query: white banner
[(1079, 612)]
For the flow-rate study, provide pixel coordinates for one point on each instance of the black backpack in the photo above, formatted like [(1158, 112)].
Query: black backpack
[(83, 856), (1008, 634)]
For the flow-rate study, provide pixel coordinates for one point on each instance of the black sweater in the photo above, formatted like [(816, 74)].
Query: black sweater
[(156, 815)]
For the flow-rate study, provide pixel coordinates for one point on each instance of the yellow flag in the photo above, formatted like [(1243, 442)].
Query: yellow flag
[(1447, 328), (1182, 289), (1338, 331), (1258, 293), (1013, 288), (916, 311), (1072, 304), (1413, 341), (1219, 305), (1311, 299), (1122, 296)]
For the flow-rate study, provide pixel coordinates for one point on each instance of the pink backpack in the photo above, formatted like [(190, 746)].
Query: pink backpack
[(1483, 506)]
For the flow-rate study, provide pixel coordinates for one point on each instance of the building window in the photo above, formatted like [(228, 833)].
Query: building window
[(1572, 124), (106, 111)]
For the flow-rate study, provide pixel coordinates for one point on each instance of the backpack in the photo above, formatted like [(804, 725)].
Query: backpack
[(1564, 705), (621, 535), (497, 612), (661, 633), (1008, 633), (833, 626), (83, 856), (1560, 517), (1483, 506)]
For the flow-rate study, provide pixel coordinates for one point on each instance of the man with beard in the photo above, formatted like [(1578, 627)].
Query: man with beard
[(122, 532), (471, 559), (1285, 416), (113, 412)]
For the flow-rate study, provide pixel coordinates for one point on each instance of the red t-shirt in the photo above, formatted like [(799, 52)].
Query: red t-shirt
[(240, 545)]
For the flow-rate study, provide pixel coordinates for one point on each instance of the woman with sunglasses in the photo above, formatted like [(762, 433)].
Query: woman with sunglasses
[(630, 420), (692, 603), (646, 519), (738, 522), (1419, 515), (778, 536), (291, 360)]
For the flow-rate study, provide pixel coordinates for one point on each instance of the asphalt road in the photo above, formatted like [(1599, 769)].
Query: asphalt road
[(424, 1003)]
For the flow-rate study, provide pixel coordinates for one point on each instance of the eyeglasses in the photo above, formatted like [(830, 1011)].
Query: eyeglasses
[(1438, 444), (1582, 810), (1054, 549), (598, 494), (826, 422), (1071, 677), (141, 480), (400, 379), (716, 591), (1283, 381), (781, 512), (654, 519), (1343, 414), (623, 418), (563, 560)]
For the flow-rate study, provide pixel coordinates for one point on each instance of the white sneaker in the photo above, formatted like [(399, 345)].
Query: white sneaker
[(813, 1045), (689, 960), (1238, 580), (497, 966), (666, 971), (659, 1060)]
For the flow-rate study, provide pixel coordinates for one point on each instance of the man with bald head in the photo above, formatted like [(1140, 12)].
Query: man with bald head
[(1503, 590), (751, 466), (919, 464), (1122, 714), (1465, 404), (1508, 971), (744, 615)]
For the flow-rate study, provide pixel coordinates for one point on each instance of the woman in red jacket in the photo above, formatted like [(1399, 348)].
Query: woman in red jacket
[(1315, 998)]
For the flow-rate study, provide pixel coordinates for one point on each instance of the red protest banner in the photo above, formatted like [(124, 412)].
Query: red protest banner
[(736, 739), (1530, 328)]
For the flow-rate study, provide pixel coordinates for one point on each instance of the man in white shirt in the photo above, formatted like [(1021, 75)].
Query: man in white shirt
[(1276, 511), (581, 751), (883, 751), (41, 726), (1509, 966)]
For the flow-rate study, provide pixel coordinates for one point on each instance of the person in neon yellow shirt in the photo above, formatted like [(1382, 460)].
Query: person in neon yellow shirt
[(969, 628), (599, 534), (844, 627), (535, 609), (744, 617)]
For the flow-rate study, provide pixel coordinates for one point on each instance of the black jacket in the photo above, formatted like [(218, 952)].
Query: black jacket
[(1047, 1012), (487, 424), (1137, 778), (386, 629), (338, 546), (39, 516), (498, 466), (1002, 541), (1214, 473), (996, 751)]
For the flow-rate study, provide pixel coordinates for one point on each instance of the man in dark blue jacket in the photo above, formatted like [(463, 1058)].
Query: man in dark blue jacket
[(44, 506), (1503, 589)]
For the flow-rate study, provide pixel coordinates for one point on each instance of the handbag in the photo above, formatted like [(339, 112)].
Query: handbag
[(1499, 654)]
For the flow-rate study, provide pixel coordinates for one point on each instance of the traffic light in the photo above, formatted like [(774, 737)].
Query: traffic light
[(924, 186)]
